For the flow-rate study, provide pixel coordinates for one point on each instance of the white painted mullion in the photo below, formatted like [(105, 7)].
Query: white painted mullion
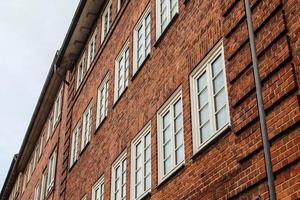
[(211, 98), (172, 118), (144, 39)]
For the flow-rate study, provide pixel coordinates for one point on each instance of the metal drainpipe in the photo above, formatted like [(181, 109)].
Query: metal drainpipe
[(261, 110)]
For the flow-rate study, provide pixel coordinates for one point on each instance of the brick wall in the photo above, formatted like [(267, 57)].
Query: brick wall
[(232, 166)]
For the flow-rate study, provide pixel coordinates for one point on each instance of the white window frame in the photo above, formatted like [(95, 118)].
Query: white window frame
[(24, 179), (43, 192), (159, 30), (50, 127), (99, 185), (91, 50), (84, 197), (51, 171), (205, 66), (36, 192), (141, 25), (118, 163), (57, 106), (168, 107), (85, 132), (107, 11), (41, 147), (140, 139), (29, 171), (35, 157), (74, 145), (124, 80), (102, 103), (119, 5), (80, 71)]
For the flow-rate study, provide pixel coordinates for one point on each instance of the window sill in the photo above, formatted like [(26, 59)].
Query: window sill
[(50, 191), (170, 176), (210, 142), (100, 125), (162, 35), (117, 101), (72, 166), (140, 67), (84, 148), (145, 196)]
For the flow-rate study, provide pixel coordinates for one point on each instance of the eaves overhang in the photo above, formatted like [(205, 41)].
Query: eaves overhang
[(79, 31)]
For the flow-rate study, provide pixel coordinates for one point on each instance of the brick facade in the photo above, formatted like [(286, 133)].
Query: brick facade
[(229, 167)]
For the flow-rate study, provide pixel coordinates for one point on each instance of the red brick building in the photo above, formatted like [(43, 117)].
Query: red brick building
[(155, 99)]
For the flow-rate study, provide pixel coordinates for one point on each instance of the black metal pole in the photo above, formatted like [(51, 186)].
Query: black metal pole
[(260, 104)]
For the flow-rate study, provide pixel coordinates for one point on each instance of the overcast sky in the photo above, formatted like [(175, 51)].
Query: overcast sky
[(30, 33)]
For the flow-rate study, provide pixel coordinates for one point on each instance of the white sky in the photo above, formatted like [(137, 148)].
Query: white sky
[(30, 33)]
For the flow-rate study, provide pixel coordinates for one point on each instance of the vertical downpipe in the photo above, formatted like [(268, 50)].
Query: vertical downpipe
[(261, 110)]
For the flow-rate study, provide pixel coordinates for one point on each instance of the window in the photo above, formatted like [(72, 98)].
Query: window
[(170, 136), (36, 192), (120, 4), (142, 40), (106, 20), (50, 127), (35, 157), (118, 187), (141, 164), (57, 107), (83, 198), (51, 171), (43, 186), (121, 71), (166, 10), (80, 71), (86, 127), (24, 180), (74, 145), (92, 49), (41, 147), (102, 101), (29, 170), (210, 110), (98, 190)]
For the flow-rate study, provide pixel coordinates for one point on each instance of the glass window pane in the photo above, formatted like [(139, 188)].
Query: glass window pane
[(178, 107), (218, 82), (166, 120), (173, 7), (178, 123), (220, 100), (204, 115), (217, 66), (167, 149), (221, 118), (147, 182), (179, 139), (147, 169), (202, 82), (203, 98), (167, 165), (179, 155), (205, 132), (138, 190), (167, 135), (164, 14)]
